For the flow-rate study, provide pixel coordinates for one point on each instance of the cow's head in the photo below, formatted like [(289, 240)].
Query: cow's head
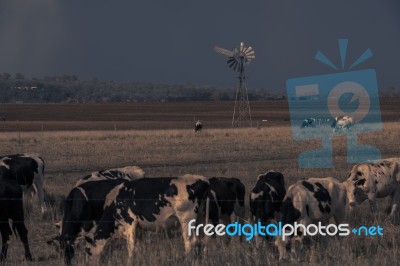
[(356, 184), (94, 247), (263, 197)]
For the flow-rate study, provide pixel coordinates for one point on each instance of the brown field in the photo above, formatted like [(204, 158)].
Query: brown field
[(149, 115), (71, 151)]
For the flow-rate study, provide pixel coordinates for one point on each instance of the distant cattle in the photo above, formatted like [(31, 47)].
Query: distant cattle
[(308, 122), (11, 211), (378, 179), (149, 203), (229, 193), (198, 126), (266, 196), (28, 171), (309, 202), (342, 123), (127, 172), (2, 118)]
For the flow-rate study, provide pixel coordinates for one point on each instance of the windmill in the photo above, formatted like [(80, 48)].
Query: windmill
[(238, 58)]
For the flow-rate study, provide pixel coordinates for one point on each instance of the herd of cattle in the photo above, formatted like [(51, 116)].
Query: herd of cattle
[(121, 201), (339, 123)]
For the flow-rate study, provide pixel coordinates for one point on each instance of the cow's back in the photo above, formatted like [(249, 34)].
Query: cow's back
[(315, 199)]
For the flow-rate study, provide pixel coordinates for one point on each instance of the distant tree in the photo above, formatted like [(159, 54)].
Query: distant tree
[(19, 76), (6, 76)]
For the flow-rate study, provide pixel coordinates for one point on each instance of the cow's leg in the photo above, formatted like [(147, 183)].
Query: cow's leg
[(131, 238), (189, 240), (372, 201), (226, 219), (23, 234), (297, 242), (388, 209), (394, 214), (282, 245), (259, 238), (38, 181), (5, 235)]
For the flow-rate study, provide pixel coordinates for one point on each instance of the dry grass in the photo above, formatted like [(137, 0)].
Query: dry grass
[(241, 153)]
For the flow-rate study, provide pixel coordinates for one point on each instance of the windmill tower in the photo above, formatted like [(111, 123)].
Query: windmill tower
[(238, 58)]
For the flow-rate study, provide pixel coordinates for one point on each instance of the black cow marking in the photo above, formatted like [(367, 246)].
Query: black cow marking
[(289, 213), (322, 195), (229, 191), (308, 186), (359, 173), (360, 182), (270, 191), (148, 203), (308, 210), (193, 188)]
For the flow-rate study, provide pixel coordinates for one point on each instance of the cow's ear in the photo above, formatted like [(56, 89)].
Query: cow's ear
[(360, 182)]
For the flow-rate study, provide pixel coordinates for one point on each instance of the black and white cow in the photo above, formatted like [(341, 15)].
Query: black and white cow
[(342, 123), (229, 193), (148, 203), (11, 211), (266, 196), (309, 202), (377, 179), (85, 203), (28, 171), (127, 172), (308, 122), (198, 126), (84, 207)]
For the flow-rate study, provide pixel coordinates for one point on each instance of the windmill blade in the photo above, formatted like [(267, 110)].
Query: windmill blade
[(223, 51), (251, 56), (232, 63), (247, 49), (230, 60), (236, 65), (250, 52)]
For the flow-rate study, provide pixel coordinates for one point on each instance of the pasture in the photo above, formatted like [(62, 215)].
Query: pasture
[(72, 153)]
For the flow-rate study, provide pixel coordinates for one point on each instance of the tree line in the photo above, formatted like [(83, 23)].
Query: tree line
[(69, 89)]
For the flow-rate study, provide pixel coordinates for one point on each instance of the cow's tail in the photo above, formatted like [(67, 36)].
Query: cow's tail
[(14, 229), (207, 209), (43, 164)]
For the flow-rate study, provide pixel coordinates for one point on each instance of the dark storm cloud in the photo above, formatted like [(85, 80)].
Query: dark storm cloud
[(172, 41)]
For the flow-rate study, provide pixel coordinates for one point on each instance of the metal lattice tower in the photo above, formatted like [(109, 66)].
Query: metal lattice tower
[(238, 58)]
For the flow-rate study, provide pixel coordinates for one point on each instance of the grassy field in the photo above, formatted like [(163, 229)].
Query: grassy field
[(243, 153)]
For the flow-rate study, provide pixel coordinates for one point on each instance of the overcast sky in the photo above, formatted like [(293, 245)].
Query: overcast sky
[(172, 41)]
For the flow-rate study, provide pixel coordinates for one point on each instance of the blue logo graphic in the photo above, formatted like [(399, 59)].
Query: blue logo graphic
[(339, 104)]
